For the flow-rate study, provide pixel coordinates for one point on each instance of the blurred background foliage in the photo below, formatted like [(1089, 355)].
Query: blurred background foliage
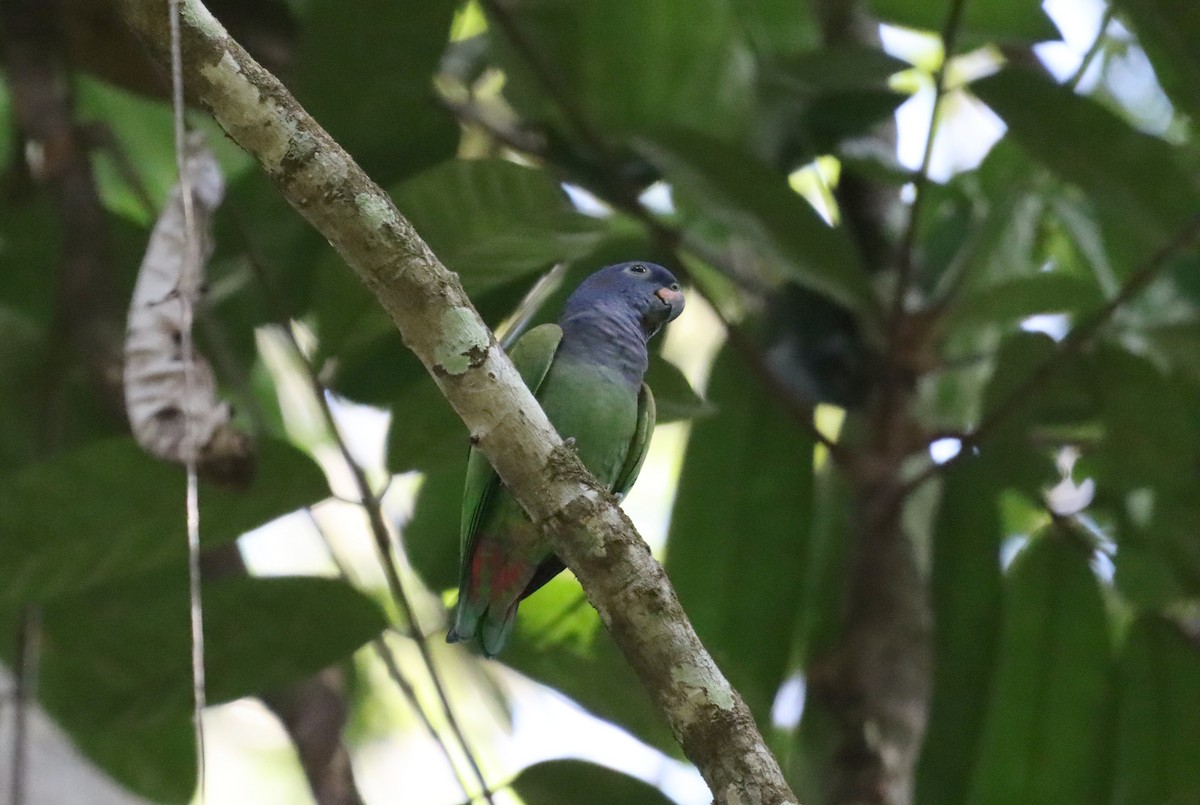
[(999, 331)]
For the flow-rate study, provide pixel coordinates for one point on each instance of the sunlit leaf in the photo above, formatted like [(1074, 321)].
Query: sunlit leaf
[(560, 641)]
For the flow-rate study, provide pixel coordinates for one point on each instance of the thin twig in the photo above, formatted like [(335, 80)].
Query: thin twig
[(921, 180), (29, 646), (385, 654), (192, 495), (1068, 348), (371, 504), (383, 546), (1093, 50)]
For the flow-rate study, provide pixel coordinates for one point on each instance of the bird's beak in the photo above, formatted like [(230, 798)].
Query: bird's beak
[(672, 299)]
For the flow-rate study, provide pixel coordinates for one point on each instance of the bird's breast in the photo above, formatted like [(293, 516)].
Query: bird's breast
[(594, 406)]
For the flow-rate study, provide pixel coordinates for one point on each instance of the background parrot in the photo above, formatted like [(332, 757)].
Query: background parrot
[(586, 371)]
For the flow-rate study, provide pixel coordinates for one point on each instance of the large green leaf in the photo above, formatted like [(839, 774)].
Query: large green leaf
[(1144, 194), (1012, 300), (749, 198), (1168, 31), (583, 783), (810, 101), (1047, 723), (156, 761), (365, 70), (115, 664), (431, 534), (966, 592), (492, 220), (738, 539), (633, 67), (1008, 21), (1158, 721), (260, 633), (109, 511)]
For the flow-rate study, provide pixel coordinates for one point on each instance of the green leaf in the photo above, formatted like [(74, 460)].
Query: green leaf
[(778, 26), (1000, 21), (425, 432), (966, 594), (366, 72), (115, 665), (1047, 725), (492, 220), (431, 534), (1168, 31), (828, 70), (749, 198), (674, 397), (1009, 301), (155, 761), (635, 69), (260, 634), (109, 511), (584, 783), (1158, 716), (1132, 392), (143, 129), (809, 102), (738, 540), (1136, 180)]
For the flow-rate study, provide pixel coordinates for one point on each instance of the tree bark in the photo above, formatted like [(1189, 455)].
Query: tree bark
[(439, 324)]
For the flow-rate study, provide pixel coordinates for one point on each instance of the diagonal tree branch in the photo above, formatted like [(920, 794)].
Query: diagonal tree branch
[(438, 322)]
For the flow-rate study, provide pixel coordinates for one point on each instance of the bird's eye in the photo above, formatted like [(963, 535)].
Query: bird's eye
[(638, 268), (674, 286)]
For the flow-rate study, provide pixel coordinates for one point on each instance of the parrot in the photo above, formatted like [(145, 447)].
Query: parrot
[(587, 373)]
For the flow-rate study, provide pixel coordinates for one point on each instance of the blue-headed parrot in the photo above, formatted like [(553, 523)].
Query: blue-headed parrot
[(586, 371)]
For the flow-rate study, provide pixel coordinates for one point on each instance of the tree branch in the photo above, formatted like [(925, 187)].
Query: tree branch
[(439, 324)]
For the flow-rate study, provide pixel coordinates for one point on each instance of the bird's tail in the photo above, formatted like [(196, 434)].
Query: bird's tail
[(488, 598), (493, 631)]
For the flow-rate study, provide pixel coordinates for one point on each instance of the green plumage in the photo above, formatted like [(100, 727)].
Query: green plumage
[(505, 557), (586, 371)]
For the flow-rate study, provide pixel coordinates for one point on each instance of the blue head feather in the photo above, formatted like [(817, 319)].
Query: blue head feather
[(614, 312)]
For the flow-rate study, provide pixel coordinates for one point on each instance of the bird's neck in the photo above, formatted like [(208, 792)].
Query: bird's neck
[(613, 342)]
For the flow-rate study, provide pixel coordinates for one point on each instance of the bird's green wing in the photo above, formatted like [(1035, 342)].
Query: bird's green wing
[(639, 445), (532, 355)]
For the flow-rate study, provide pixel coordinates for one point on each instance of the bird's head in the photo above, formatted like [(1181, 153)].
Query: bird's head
[(645, 290)]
